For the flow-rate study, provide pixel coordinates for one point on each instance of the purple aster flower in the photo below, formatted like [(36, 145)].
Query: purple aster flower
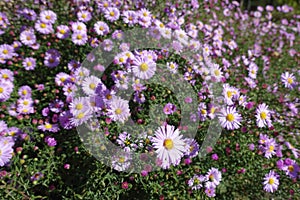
[(112, 14), (29, 14), (28, 37), (107, 45), (288, 79), (37, 176), (196, 182), (48, 16), (56, 106), (130, 17), (101, 28), (213, 177), (24, 91), (84, 16), (29, 63), (6, 150), (230, 118), (62, 31), (65, 120), (271, 181), (73, 64), (43, 28), (6, 75), (169, 108), (7, 51), (52, 58), (79, 38), (49, 127), (6, 88), (193, 147), (51, 142), (210, 191), (78, 27), (117, 34)]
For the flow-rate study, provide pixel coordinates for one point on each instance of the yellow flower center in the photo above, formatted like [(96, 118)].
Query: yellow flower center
[(79, 37), (121, 59), (83, 16), (48, 17), (112, 14), (263, 115), (5, 51), (1, 90), (121, 160), (290, 80), (28, 38), (217, 72), (229, 94), (79, 106), (291, 168), (92, 86), (62, 31), (25, 102), (29, 63), (0, 152), (48, 126), (144, 67), (271, 148), (230, 117), (211, 177), (203, 111), (108, 96), (271, 181), (5, 76), (168, 144), (24, 92), (172, 66), (79, 28), (161, 25), (43, 25), (118, 111), (80, 115), (212, 110), (196, 182)]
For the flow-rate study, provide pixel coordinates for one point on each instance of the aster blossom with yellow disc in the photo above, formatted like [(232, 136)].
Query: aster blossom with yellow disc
[(169, 145)]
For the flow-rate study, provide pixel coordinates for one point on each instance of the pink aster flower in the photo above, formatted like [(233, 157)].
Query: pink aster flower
[(112, 14), (29, 63), (6, 150), (48, 16), (143, 68), (101, 28), (288, 79), (263, 116)]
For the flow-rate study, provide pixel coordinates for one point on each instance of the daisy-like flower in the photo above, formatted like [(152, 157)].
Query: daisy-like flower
[(48, 16), (6, 75), (121, 161), (193, 147), (6, 151), (119, 109), (79, 38), (24, 91), (263, 116), (169, 108), (90, 84), (181, 36), (271, 181), (172, 66), (25, 109), (169, 145), (81, 117), (196, 182), (84, 16), (49, 127), (216, 72), (143, 68), (80, 104), (202, 112), (112, 14), (52, 58), (288, 79), (28, 37), (43, 28), (230, 118), (107, 45), (210, 191), (270, 148), (101, 28), (29, 63), (6, 88), (6, 51), (130, 17), (79, 27), (62, 32), (213, 177), (252, 70), (230, 94)]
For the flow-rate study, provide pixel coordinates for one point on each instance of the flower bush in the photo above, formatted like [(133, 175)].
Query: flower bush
[(243, 67)]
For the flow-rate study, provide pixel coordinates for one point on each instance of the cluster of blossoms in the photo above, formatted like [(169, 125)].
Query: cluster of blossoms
[(210, 181), (68, 110)]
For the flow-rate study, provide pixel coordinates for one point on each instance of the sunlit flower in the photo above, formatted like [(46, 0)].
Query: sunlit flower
[(271, 182), (230, 118)]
